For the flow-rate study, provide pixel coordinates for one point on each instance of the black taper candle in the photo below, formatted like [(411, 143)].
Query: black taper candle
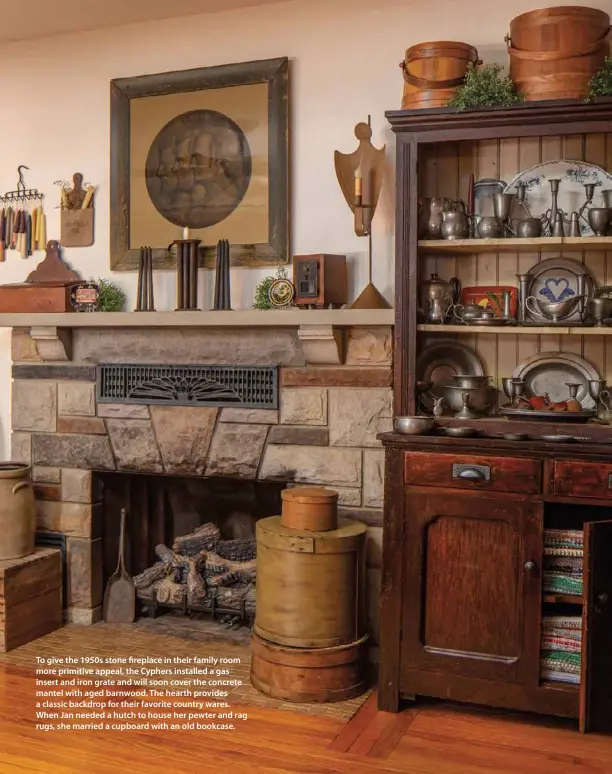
[(179, 276), (139, 304), (193, 275), (149, 262)]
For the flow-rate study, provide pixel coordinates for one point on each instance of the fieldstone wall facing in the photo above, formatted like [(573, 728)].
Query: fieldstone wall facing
[(324, 431)]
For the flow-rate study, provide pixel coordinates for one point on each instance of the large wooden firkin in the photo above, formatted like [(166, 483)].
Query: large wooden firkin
[(554, 52), (310, 585), (309, 675), (310, 508), (17, 511), (433, 72), (30, 597)]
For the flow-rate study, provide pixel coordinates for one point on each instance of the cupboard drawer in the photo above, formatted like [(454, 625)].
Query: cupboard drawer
[(467, 471), (583, 479)]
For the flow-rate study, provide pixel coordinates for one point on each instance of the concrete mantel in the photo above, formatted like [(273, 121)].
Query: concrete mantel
[(247, 318), (321, 333)]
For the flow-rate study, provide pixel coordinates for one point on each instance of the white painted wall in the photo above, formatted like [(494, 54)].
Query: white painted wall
[(345, 54)]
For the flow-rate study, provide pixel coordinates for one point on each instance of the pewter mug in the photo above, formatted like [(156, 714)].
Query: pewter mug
[(599, 220), (600, 309), (528, 228), (489, 227)]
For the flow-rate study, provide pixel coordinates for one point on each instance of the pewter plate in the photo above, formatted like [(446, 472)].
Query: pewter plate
[(546, 416), (549, 372), (556, 279), (439, 362), (484, 322)]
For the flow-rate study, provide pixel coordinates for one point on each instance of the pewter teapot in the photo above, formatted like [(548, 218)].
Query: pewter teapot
[(472, 311), (437, 297), (455, 222)]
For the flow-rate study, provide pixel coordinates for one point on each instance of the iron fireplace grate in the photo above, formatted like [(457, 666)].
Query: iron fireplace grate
[(191, 385)]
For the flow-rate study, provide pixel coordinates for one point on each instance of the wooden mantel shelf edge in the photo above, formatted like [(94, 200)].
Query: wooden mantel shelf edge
[(247, 318), (320, 332)]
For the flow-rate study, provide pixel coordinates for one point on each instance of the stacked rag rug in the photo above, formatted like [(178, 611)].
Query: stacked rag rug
[(561, 647), (563, 551)]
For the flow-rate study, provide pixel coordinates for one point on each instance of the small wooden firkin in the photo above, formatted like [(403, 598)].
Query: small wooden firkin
[(308, 508), (30, 597)]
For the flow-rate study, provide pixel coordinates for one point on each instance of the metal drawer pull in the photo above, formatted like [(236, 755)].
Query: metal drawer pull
[(472, 472), (609, 480), (530, 566)]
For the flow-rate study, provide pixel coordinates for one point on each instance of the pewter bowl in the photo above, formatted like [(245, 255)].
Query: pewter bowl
[(414, 425)]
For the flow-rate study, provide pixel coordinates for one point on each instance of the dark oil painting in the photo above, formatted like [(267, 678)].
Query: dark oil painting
[(198, 169)]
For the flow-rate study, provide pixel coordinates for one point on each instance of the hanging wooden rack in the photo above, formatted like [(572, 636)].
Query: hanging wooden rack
[(21, 194)]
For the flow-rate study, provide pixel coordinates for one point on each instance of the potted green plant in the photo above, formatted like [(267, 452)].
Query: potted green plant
[(601, 83), (485, 86), (111, 298)]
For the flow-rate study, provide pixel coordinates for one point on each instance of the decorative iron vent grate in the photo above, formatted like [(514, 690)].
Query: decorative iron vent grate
[(54, 540), (192, 385)]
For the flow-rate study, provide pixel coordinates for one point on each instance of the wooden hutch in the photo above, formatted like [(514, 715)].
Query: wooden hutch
[(462, 599)]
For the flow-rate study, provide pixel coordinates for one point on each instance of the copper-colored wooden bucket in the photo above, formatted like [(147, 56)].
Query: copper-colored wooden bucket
[(554, 52), (434, 72)]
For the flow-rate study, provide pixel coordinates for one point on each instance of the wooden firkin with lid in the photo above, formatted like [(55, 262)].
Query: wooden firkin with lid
[(310, 585), (310, 508)]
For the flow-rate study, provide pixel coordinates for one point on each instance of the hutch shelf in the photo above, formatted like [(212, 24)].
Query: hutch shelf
[(464, 599)]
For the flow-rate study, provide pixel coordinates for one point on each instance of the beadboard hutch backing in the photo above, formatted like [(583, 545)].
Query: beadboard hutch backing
[(462, 600)]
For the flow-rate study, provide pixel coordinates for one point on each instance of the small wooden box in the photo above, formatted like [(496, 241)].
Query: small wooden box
[(30, 597), (320, 280), (36, 297)]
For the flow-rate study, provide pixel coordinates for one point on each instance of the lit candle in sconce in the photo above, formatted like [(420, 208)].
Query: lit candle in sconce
[(358, 182), (185, 233)]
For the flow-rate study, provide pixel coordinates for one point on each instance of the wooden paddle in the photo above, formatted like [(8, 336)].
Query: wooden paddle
[(120, 594)]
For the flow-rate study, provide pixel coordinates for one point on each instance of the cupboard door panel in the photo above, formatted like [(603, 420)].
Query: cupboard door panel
[(472, 586), (596, 678)]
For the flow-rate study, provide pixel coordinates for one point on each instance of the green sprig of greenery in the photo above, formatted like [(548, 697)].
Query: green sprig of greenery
[(600, 84), (485, 87), (111, 297), (262, 291)]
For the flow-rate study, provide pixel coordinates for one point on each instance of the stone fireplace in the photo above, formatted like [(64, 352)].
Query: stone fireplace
[(333, 395)]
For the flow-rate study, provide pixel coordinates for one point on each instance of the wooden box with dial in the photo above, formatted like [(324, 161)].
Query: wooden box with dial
[(320, 281)]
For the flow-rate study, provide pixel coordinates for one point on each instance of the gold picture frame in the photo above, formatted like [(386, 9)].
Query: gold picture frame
[(246, 104)]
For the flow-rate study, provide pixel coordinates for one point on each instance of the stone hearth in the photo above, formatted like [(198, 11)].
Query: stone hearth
[(323, 431)]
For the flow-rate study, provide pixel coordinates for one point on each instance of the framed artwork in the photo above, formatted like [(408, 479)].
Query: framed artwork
[(205, 150)]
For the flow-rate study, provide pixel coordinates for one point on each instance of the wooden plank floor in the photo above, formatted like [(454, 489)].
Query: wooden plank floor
[(431, 738)]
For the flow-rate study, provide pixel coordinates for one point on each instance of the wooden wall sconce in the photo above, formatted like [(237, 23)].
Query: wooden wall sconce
[(360, 175)]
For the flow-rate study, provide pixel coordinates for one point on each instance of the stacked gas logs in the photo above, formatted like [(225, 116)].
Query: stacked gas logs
[(202, 573), (309, 639)]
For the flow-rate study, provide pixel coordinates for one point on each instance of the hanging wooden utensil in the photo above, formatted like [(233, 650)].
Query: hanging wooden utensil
[(120, 594)]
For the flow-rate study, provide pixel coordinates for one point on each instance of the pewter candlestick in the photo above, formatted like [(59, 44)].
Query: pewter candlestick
[(522, 296)]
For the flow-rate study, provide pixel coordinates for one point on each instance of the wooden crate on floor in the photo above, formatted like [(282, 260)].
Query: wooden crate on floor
[(30, 597)]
